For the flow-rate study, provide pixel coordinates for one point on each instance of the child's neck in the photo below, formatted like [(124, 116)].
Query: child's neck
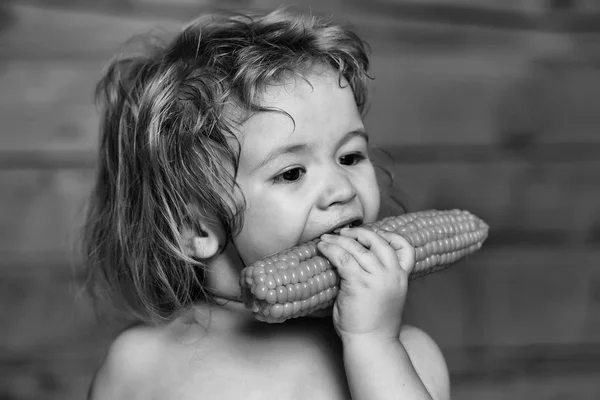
[(223, 274), (230, 315)]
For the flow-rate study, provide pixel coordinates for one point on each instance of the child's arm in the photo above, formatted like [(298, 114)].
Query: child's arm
[(409, 368), (382, 359)]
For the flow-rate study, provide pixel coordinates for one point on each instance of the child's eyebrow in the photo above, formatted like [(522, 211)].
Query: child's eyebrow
[(279, 151), (355, 133), (302, 147)]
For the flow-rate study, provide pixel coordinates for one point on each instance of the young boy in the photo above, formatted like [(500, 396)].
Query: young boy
[(242, 137)]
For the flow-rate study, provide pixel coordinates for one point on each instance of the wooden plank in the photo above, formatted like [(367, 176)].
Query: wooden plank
[(46, 311), (556, 386), (45, 33), (510, 297), (485, 97), (497, 297), (526, 205), (511, 318), (48, 106), (69, 380), (530, 15), (43, 211), (96, 31), (50, 380), (540, 16), (414, 97), (47, 29), (553, 101), (501, 363), (558, 201), (56, 376), (54, 57), (510, 5), (64, 377), (542, 154)]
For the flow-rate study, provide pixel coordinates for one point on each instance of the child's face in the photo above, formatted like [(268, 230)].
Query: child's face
[(305, 180)]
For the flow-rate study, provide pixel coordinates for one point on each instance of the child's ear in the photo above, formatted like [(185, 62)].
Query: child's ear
[(202, 242)]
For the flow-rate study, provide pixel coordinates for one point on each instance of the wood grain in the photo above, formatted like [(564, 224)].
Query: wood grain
[(485, 107), (39, 33), (511, 317), (526, 204), (510, 297), (497, 297)]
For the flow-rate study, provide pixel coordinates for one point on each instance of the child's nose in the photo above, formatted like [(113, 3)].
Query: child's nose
[(337, 188)]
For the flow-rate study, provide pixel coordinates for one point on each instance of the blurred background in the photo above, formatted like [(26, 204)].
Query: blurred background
[(490, 105)]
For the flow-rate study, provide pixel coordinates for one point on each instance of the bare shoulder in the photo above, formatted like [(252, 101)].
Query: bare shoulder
[(428, 361), (129, 366)]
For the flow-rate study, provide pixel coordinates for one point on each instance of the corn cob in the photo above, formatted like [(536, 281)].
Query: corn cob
[(298, 281)]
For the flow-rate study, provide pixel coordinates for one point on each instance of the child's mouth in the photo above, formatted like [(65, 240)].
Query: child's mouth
[(350, 224)]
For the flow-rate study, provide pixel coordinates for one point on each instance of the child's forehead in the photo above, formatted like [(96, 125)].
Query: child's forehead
[(319, 103), (289, 84), (300, 105), (300, 83)]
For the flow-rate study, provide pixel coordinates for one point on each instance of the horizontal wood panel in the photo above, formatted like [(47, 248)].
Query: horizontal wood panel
[(485, 97), (463, 95), (519, 5), (43, 210), (511, 298), (504, 319), (47, 106), (489, 313), (517, 196), (382, 154), (525, 204), (414, 97), (47, 309), (71, 344), (62, 376), (555, 386), (530, 15), (56, 380), (45, 33), (508, 297), (92, 31)]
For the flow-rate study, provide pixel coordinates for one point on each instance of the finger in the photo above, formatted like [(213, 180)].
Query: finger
[(345, 265), (363, 256), (404, 250), (375, 243)]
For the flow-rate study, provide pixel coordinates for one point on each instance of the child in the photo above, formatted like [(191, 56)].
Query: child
[(241, 137)]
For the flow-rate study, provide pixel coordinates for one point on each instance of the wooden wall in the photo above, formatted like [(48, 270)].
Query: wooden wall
[(489, 106)]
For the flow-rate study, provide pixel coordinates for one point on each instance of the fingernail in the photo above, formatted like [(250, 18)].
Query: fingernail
[(325, 236)]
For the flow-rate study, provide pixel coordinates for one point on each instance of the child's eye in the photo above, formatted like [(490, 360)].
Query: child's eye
[(352, 159), (291, 175)]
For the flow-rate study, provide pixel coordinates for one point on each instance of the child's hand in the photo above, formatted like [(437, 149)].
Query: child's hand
[(374, 269)]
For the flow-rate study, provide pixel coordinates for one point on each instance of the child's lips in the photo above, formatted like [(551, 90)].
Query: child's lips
[(347, 223), (337, 230), (354, 222)]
